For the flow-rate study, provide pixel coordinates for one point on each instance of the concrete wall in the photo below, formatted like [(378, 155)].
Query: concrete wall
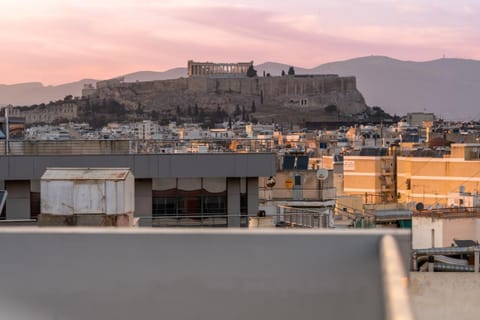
[(462, 228), (233, 202), (445, 230), (146, 165), (310, 189), (445, 295), (422, 232), (175, 274)]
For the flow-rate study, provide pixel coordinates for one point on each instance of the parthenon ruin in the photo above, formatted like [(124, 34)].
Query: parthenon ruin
[(205, 69)]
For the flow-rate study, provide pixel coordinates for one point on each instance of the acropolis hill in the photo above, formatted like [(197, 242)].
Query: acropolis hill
[(293, 98)]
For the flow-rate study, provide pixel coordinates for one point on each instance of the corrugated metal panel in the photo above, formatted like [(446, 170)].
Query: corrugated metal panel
[(129, 194), (115, 197), (85, 174), (57, 197), (87, 191), (89, 197)]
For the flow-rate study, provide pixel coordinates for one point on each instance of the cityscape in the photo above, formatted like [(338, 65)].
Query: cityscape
[(229, 189)]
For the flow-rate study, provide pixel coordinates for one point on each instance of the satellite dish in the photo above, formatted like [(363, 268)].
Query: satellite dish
[(419, 206), (322, 174), (271, 182)]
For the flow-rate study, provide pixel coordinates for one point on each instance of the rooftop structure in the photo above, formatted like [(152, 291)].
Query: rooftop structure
[(441, 227), (96, 195)]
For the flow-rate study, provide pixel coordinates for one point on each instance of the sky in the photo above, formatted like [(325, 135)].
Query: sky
[(59, 41)]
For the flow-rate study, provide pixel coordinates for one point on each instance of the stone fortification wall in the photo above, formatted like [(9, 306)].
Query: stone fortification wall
[(46, 114), (302, 92)]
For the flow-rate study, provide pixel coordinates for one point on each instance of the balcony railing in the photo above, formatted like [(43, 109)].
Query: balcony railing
[(303, 194), (198, 220), (78, 147)]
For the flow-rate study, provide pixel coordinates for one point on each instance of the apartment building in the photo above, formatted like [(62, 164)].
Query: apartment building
[(370, 175), (431, 180)]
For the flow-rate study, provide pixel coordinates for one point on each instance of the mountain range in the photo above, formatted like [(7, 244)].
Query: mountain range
[(447, 87)]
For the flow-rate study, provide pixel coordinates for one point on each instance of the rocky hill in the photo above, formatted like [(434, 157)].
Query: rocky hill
[(294, 99), (447, 87)]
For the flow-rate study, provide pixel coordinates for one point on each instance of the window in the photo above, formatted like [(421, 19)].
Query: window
[(164, 206), (298, 180), (214, 205), (243, 204), (189, 206)]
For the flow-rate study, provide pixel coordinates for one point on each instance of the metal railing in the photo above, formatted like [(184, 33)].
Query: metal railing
[(69, 147), (279, 193), (197, 220), (303, 217)]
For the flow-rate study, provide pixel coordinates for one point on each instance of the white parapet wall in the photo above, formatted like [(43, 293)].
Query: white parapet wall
[(77, 273)]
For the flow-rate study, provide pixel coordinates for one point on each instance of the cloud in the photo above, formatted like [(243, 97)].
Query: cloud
[(64, 41)]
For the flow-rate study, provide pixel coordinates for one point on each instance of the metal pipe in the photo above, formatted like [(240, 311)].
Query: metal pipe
[(452, 268), (444, 251)]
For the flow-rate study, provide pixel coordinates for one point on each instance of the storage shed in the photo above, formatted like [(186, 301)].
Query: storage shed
[(87, 191)]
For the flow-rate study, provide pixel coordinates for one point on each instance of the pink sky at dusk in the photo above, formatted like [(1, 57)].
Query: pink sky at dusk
[(58, 41)]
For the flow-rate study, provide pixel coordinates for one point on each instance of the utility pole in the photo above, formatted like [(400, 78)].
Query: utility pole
[(7, 132)]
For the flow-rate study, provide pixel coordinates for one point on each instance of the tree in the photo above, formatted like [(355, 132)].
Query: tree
[(291, 71), (283, 73), (251, 72)]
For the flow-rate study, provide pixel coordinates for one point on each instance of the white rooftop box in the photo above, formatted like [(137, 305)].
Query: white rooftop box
[(68, 191)]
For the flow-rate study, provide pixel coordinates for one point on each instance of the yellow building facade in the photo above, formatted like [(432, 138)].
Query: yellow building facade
[(431, 180), (372, 177)]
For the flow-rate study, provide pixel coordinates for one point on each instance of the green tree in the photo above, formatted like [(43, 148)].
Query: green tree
[(251, 72), (291, 71), (283, 73)]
